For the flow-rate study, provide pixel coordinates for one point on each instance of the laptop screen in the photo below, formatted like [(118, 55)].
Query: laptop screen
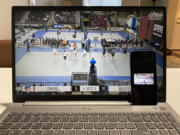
[(67, 52)]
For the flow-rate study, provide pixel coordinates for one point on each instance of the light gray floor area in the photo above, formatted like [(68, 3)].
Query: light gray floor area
[(46, 64)]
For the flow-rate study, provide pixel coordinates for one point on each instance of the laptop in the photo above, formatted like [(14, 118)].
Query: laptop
[(72, 74)]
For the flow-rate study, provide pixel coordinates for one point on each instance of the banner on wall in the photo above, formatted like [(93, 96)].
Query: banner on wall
[(157, 34)]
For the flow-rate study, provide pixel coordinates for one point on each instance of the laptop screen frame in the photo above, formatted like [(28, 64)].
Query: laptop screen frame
[(23, 98)]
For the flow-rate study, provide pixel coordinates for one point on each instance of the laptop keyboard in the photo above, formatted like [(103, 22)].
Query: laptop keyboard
[(135, 123)]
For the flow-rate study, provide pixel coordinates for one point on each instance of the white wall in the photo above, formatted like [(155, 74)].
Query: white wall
[(5, 15), (176, 33)]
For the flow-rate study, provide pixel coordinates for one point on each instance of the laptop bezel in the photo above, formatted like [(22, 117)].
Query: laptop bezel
[(23, 98)]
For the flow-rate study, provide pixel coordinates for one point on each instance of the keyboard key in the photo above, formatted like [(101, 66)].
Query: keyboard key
[(109, 125), (26, 119), (25, 132), (113, 119), (130, 125), (36, 132), (93, 119), (77, 114), (118, 114), (57, 125), (61, 114), (4, 132), (36, 125), (173, 132), (36, 114), (144, 114), (113, 132), (94, 114), (127, 114), (58, 132), (88, 125), (155, 119), (141, 125), (68, 125), (140, 132), (53, 114), (103, 119), (120, 125), (69, 132), (35, 119), (164, 132), (85, 114), (102, 114), (125, 132), (14, 132), (83, 119), (159, 114), (45, 119), (81, 132), (91, 132), (146, 118), (55, 119), (135, 114), (47, 132), (168, 125), (155, 132), (163, 118), (45, 114), (151, 113), (16, 119), (135, 119), (74, 119), (47, 125), (151, 125), (8, 119), (159, 125), (5, 125), (78, 125), (98, 125), (110, 114), (122, 119), (103, 132), (16, 125)]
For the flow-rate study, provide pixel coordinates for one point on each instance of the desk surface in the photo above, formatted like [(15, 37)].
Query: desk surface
[(173, 87)]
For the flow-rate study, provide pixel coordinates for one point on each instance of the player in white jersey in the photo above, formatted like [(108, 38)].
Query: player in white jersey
[(54, 51)]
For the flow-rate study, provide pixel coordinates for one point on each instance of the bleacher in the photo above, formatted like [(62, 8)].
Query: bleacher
[(40, 18), (99, 21), (19, 16), (64, 17)]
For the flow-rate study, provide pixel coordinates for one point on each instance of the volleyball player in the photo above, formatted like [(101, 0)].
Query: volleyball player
[(54, 51), (104, 52)]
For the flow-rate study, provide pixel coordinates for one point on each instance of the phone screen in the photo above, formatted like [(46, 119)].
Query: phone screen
[(144, 79)]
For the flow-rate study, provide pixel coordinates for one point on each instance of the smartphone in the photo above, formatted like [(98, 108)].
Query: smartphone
[(143, 78)]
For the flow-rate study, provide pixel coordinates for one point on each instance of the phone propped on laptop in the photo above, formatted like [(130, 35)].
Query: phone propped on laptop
[(143, 78)]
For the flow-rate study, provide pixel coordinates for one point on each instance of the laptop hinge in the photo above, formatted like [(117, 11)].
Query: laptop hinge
[(78, 103)]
